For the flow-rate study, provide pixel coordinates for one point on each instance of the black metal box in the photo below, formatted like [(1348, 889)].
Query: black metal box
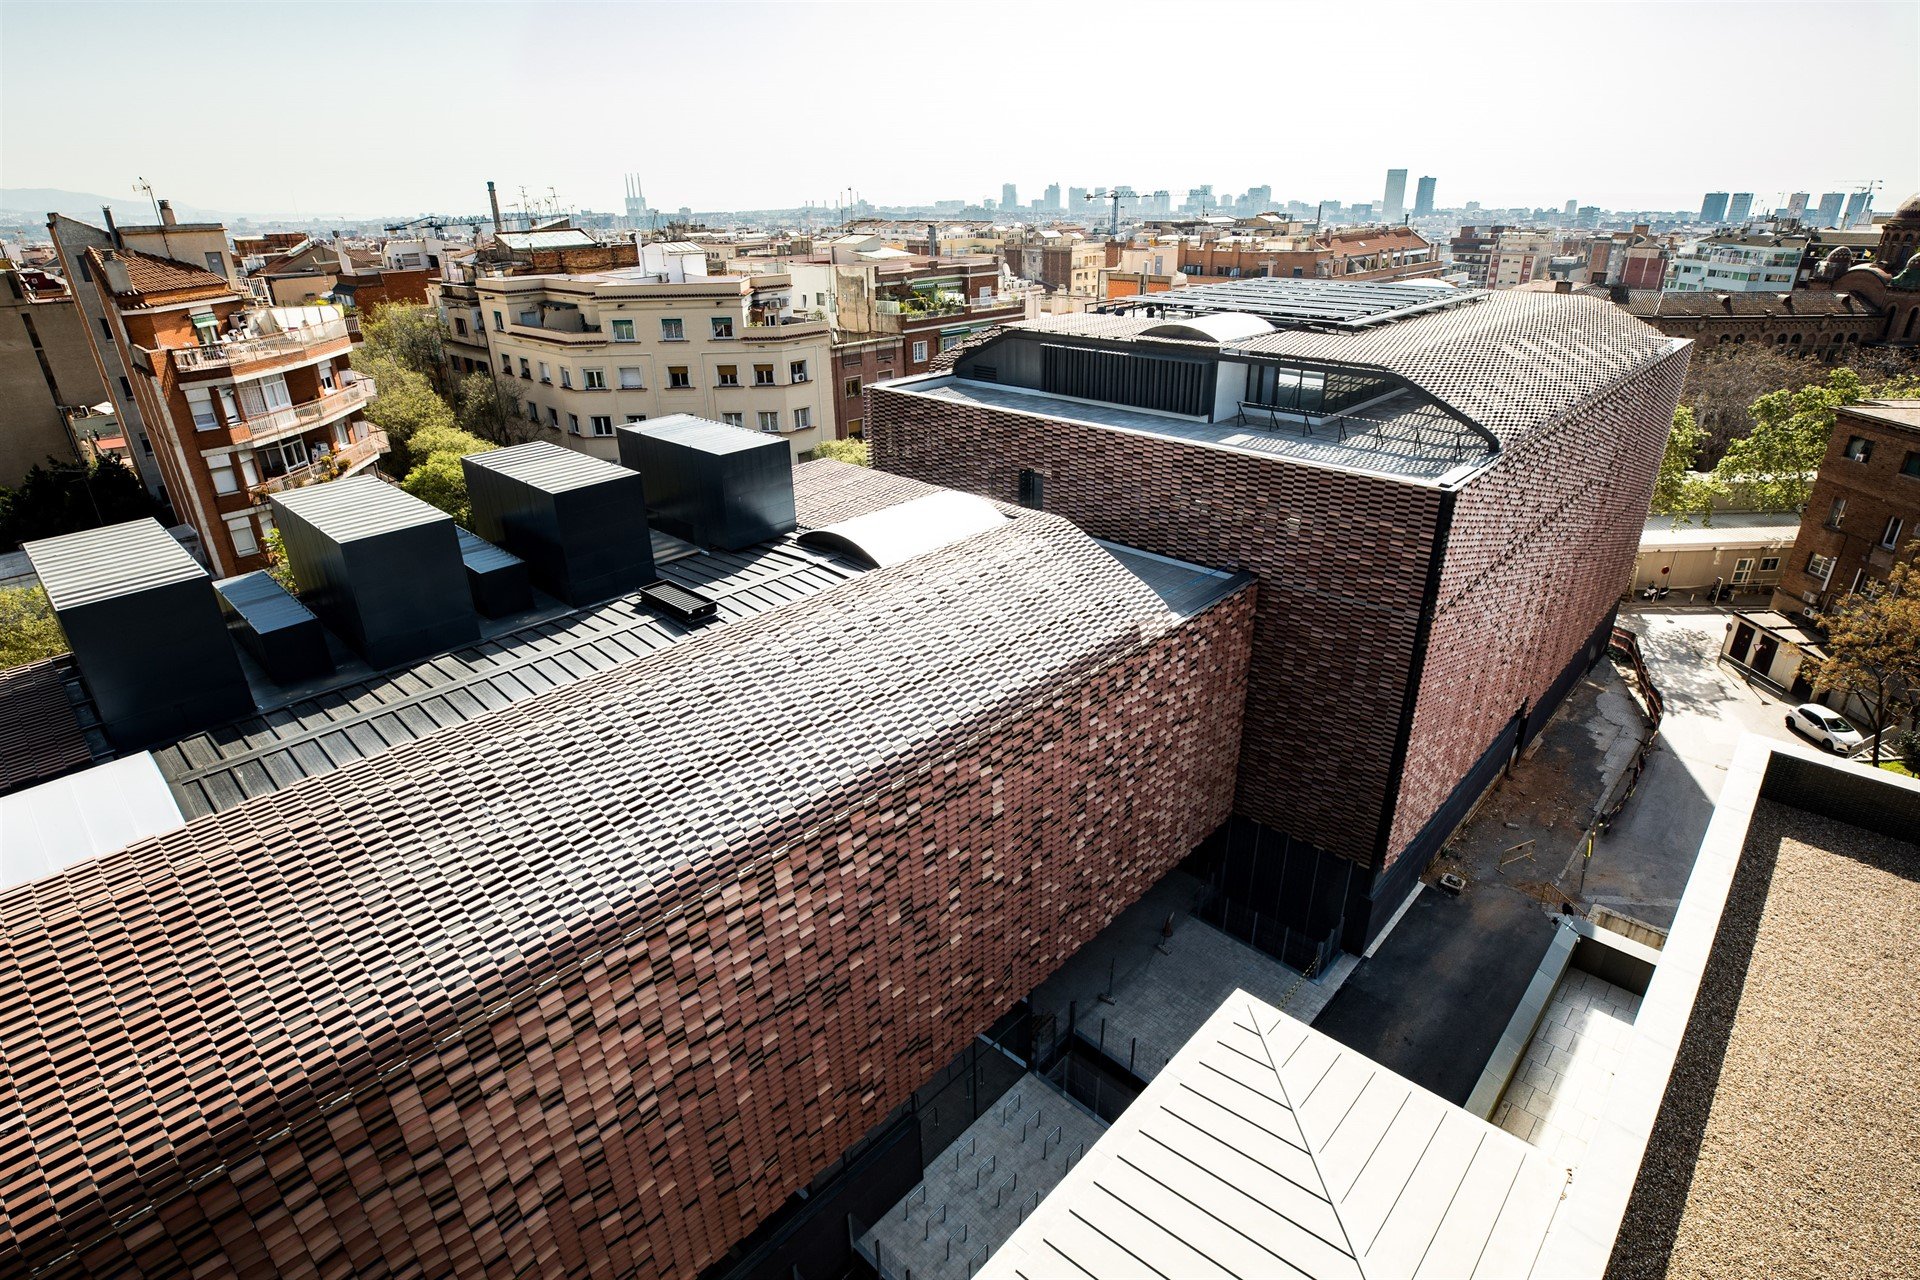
[(497, 579), (379, 566), (145, 628), (579, 522), (712, 484), (282, 634)]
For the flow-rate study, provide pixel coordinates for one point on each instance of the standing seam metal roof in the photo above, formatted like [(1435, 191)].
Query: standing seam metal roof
[(549, 467), (115, 560)]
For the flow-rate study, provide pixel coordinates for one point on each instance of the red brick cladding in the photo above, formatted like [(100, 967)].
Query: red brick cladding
[(1342, 560), (349, 1029), (1539, 549)]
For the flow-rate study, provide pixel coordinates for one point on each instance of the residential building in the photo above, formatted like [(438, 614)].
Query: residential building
[(1009, 196), (1713, 209), (1423, 199), (1737, 264), (761, 893), (197, 244), (1828, 214), (1407, 465), (592, 350), (47, 370), (240, 401), (1061, 262), (1472, 251), (1394, 206), (1740, 552), (1350, 253), (1797, 205), (1740, 208), (1519, 257), (1859, 209), (1863, 515)]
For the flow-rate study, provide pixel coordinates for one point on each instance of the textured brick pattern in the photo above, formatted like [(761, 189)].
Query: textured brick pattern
[(826, 492), (1538, 551), (40, 737), (1342, 560), (418, 1017)]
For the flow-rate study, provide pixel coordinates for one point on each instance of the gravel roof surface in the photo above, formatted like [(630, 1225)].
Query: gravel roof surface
[(1786, 1143)]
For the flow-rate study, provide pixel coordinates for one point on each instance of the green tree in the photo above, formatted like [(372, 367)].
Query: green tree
[(278, 565), (441, 481), (1873, 644), (1773, 466), (853, 451), (404, 404), (1680, 491), (409, 334), (28, 629), (489, 407), (64, 497)]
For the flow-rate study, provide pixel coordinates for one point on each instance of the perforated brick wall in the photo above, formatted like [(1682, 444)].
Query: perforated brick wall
[(589, 986)]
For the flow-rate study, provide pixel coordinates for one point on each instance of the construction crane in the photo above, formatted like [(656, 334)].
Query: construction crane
[(1116, 195), (438, 225)]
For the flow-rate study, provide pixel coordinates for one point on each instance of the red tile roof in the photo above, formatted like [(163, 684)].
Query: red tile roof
[(149, 273), (39, 736)]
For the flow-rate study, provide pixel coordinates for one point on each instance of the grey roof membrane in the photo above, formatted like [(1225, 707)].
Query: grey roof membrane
[(120, 559), (549, 467), (358, 507), (702, 433)]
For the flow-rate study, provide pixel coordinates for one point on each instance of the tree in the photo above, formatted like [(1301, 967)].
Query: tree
[(278, 565), (436, 475), (407, 333), (28, 629), (489, 406), (1724, 381), (853, 451), (1680, 491), (64, 497), (405, 404), (1873, 644), (1773, 466)]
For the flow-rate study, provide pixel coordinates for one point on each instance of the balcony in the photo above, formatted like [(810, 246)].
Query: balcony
[(307, 343), (771, 332), (304, 417), (332, 466)]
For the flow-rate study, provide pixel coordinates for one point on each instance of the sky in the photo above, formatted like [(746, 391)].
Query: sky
[(355, 110)]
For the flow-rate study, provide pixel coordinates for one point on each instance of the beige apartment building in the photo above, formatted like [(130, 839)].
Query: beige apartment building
[(590, 351), (1520, 257), (46, 368)]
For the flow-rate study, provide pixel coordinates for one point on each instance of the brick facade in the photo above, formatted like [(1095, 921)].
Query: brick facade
[(412, 1019), (1883, 487)]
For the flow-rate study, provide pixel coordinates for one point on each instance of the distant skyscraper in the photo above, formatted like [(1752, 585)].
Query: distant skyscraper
[(1259, 199), (1829, 213), (1009, 197), (1859, 209), (1741, 207), (1714, 207), (1423, 198), (1573, 208), (1200, 199), (1076, 197), (1395, 205), (1797, 205), (1052, 204)]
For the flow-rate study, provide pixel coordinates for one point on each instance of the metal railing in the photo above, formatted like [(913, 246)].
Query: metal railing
[(303, 417), (329, 467), (231, 351), (1298, 949)]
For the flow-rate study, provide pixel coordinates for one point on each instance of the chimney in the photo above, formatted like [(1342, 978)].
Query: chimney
[(493, 199), (579, 523), (112, 230), (933, 241), (166, 214)]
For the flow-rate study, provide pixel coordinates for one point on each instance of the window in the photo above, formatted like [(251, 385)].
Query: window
[(623, 331), (728, 375), (106, 328), (1859, 448), (602, 424), (797, 370), (240, 529), (1033, 489), (763, 375), (630, 379), (573, 424), (526, 370), (636, 417), (85, 272), (1911, 467), (566, 376), (769, 420), (1836, 513), (596, 379), (533, 412), (734, 419), (802, 419), (819, 299), (1890, 536), (1769, 564), (499, 323), (671, 330), (506, 365), (1821, 567), (460, 326), (677, 377), (948, 341), (851, 388), (221, 469), (856, 428), (200, 400), (919, 352), (231, 410), (722, 326), (545, 376), (216, 264), (553, 416), (126, 389)]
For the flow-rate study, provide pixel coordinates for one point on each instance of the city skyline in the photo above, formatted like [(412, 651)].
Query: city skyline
[(740, 156)]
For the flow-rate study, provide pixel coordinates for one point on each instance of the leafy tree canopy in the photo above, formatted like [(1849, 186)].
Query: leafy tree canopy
[(64, 497), (854, 451), (28, 629)]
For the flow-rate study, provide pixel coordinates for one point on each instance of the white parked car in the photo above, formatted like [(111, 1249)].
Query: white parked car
[(1827, 727)]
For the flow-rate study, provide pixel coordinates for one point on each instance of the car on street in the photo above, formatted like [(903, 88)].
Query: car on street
[(1825, 726)]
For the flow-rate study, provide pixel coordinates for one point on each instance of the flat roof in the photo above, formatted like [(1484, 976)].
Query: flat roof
[(1289, 303), (1904, 414), (83, 568), (1264, 1148), (358, 507), (1736, 528), (549, 467)]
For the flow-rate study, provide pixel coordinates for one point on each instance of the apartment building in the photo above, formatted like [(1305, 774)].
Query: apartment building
[(1471, 254), (46, 369), (1737, 264), (1520, 257), (240, 401), (593, 350), (1863, 514)]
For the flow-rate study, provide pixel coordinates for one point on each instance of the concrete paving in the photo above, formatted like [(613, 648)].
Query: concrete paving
[(1556, 1098)]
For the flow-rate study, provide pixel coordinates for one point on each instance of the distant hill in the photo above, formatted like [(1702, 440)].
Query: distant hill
[(40, 201)]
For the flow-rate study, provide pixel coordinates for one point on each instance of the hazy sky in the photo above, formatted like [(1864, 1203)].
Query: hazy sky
[(364, 110)]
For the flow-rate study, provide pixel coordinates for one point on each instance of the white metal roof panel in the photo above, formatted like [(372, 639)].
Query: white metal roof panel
[(97, 811)]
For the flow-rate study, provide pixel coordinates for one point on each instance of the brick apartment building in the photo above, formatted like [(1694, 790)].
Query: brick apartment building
[(239, 401), (378, 1008), (1863, 515), (1440, 492)]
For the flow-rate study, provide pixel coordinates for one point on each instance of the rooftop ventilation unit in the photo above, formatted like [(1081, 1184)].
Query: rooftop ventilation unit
[(146, 630), (282, 634), (677, 601), (579, 523), (715, 485), (379, 566), (496, 579)]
